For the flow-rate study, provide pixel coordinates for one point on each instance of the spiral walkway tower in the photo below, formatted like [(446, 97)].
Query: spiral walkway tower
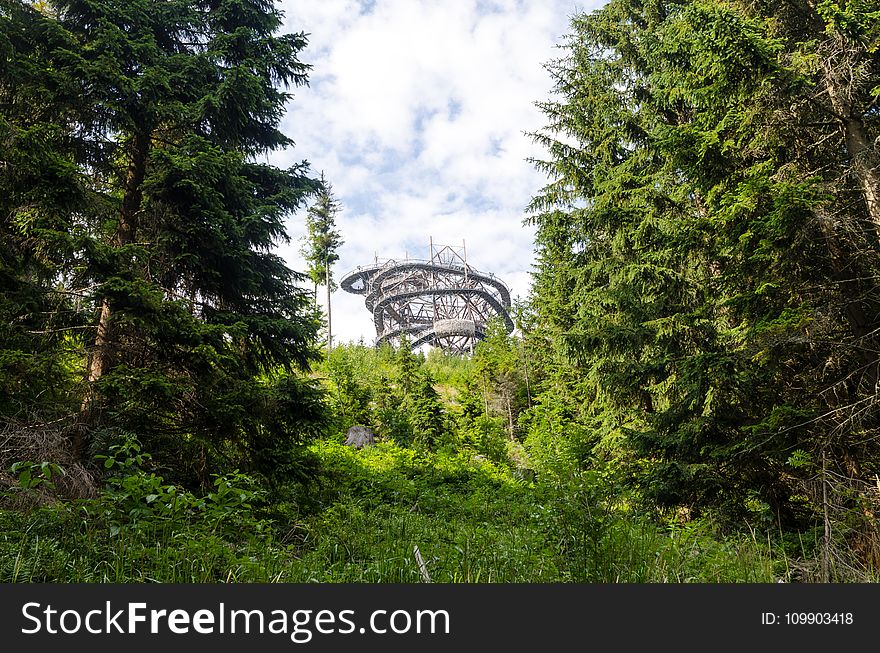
[(441, 301)]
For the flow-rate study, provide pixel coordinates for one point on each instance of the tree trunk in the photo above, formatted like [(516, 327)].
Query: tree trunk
[(101, 357), (99, 353), (826, 540), (858, 143), (843, 94), (861, 325), (329, 324), (865, 165)]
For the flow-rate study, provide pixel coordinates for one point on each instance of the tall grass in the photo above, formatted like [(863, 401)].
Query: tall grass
[(471, 520)]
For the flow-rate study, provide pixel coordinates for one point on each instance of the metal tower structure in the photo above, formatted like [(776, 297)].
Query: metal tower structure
[(441, 301)]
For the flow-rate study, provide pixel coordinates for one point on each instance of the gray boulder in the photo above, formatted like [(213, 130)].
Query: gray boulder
[(360, 437)]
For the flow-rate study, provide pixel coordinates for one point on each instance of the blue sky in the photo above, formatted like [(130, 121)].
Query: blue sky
[(417, 113)]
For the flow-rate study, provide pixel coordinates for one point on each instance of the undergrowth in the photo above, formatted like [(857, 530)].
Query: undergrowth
[(360, 521)]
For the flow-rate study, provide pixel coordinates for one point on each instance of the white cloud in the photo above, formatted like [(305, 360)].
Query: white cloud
[(416, 113)]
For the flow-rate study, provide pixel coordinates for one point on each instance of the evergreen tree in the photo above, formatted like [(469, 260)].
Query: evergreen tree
[(408, 366), (348, 368), (41, 192), (428, 419), (500, 370), (322, 241), (420, 418), (170, 105), (704, 260)]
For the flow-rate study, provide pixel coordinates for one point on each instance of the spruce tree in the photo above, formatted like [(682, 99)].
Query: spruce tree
[(499, 369), (426, 411), (321, 245), (706, 248), (42, 194), (194, 314)]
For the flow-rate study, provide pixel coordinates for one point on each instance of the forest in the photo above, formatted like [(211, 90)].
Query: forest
[(691, 394)]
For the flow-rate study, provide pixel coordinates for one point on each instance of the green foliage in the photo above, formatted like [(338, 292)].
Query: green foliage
[(322, 239), (449, 370), (474, 522), (698, 356), (601, 539), (389, 390), (349, 369), (32, 475), (427, 413), (141, 528), (41, 192), (358, 521), (138, 229), (499, 374), (139, 499), (698, 314)]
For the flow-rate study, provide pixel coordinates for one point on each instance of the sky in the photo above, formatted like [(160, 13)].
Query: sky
[(418, 114)]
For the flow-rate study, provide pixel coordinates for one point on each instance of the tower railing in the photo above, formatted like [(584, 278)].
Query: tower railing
[(441, 301)]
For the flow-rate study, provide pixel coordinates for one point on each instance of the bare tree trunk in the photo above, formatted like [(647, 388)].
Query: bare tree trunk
[(865, 166), (826, 540), (329, 322), (861, 325), (98, 358), (858, 142), (842, 86)]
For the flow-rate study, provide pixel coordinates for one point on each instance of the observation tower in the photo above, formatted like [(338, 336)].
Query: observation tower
[(440, 301)]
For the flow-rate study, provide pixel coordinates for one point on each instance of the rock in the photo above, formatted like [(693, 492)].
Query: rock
[(360, 437)]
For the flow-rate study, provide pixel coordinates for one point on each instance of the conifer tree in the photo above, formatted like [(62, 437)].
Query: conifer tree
[(497, 366), (706, 248), (426, 411), (41, 192), (322, 242), (171, 105)]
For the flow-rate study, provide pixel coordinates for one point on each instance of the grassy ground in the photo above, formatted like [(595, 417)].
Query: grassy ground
[(360, 522)]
